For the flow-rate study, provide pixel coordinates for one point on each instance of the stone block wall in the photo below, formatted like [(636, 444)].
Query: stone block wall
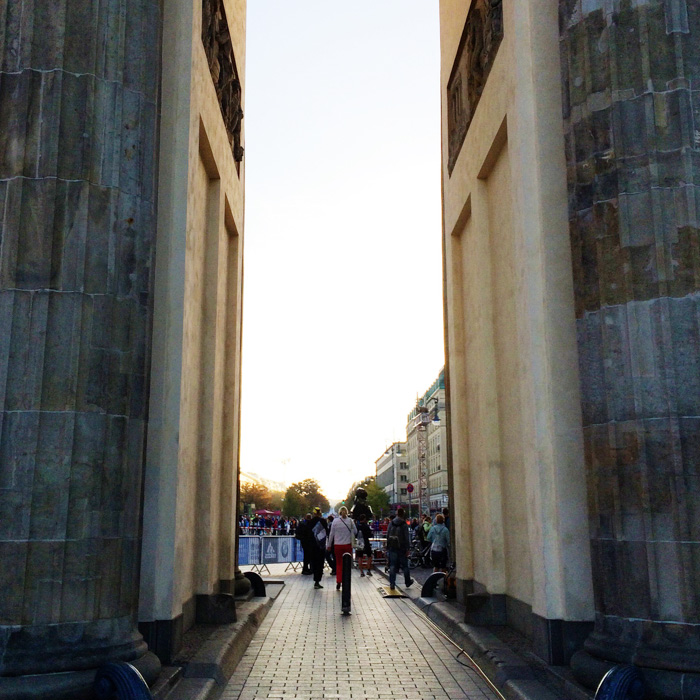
[(631, 93)]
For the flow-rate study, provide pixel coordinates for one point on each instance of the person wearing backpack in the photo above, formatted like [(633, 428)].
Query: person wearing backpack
[(397, 545), (319, 529), (439, 536)]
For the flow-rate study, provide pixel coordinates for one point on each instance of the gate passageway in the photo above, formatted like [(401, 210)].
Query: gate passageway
[(305, 648)]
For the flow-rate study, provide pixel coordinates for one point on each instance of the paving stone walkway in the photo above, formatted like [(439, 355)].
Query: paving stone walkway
[(305, 648)]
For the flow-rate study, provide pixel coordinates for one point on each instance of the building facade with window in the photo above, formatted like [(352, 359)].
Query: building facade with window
[(435, 433), (436, 455), (392, 473)]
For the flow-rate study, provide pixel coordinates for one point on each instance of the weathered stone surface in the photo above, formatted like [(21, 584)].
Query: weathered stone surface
[(78, 125), (634, 188)]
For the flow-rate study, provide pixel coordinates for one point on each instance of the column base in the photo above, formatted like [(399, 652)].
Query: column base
[(553, 640), (660, 684), (215, 609), (68, 685)]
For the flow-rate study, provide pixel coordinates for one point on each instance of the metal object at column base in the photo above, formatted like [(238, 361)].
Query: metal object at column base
[(659, 683), (621, 683), (68, 685), (120, 681), (431, 583), (256, 581), (347, 578), (241, 585)]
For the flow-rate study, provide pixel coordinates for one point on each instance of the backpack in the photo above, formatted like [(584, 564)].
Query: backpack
[(393, 541), (320, 534)]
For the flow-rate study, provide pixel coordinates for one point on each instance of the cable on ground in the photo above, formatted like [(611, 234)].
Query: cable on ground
[(472, 663)]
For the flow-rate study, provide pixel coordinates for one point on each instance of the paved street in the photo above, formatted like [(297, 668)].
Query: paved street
[(305, 648)]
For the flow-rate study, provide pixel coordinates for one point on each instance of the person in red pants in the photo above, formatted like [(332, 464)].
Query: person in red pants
[(340, 538)]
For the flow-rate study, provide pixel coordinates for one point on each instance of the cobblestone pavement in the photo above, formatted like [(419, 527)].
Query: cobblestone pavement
[(305, 648)]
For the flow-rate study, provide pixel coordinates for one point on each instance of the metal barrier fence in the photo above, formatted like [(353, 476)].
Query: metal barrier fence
[(260, 550)]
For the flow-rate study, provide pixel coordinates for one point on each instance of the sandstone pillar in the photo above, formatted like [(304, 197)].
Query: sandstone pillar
[(631, 72), (78, 118)]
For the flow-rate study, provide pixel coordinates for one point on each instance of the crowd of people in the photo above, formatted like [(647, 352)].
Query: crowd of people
[(326, 540), (267, 525)]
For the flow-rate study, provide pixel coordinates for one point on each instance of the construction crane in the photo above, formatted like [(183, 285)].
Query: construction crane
[(421, 424)]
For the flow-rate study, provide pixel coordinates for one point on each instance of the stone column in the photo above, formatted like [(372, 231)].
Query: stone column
[(78, 118), (631, 73)]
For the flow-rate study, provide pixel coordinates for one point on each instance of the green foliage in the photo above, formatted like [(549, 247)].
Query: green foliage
[(377, 498), (293, 505), (302, 497)]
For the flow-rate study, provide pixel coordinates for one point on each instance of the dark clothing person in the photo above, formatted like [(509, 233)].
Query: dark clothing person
[(420, 534), (364, 555), (364, 529), (330, 560), (330, 556), (319, 530), (305, 537), (361, 507), (397, 544)]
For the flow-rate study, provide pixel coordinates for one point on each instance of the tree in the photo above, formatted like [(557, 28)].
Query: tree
[(255, 494), (377, 498), (303, 497), (276, 500), (293, 505)]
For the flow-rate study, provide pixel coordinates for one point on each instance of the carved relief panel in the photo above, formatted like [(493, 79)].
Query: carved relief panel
[(219, 51), (480, 40)]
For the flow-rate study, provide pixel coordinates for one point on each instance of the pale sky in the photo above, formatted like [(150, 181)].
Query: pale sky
[(342, 321)]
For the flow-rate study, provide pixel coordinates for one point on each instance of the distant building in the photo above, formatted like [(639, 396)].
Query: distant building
[(432, 401), (392, 474), (437, 445)]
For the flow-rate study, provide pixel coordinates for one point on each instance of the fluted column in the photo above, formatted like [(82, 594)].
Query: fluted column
[(631, 75), (78, 118)]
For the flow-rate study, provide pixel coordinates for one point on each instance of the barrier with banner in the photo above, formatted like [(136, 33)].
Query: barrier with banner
[(261, 550)]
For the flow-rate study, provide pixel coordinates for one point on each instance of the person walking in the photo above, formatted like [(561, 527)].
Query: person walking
[(340, 540), (319, 530), (363, 553), (397, 545), (419, 533), (439, 536), (305, 537), (330, 558)]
